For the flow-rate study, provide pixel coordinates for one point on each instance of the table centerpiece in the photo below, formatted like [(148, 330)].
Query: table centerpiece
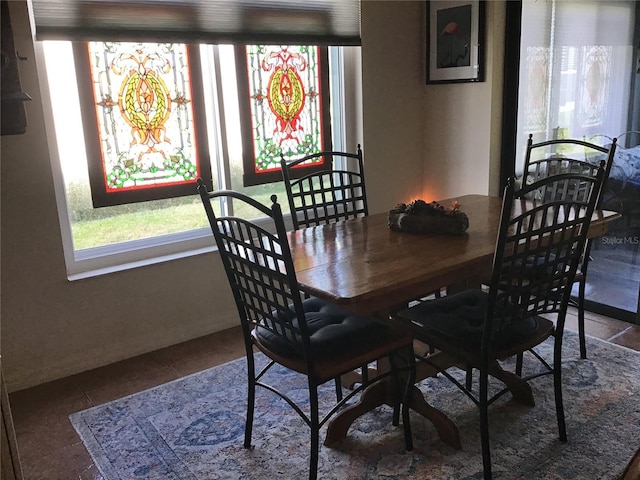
[(422, 217)]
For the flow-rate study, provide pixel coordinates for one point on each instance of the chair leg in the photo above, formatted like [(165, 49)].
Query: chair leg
[(315, 431), (484, 423), (406, 402), (581, 334), (557, 386), (395, 387), (469, 377), (251, 400), (519, 359), (365, 373), (338, 383)]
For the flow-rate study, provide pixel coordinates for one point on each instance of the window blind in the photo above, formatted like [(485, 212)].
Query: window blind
[(576, 62), (319, 22)]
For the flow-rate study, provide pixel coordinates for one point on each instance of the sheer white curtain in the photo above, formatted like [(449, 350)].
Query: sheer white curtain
[(576, 61)]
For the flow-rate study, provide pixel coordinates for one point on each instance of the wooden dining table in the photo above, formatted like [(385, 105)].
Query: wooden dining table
[(370, 269)]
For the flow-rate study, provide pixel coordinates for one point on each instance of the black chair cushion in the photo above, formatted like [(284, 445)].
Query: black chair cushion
[(332, 330), (460, 318), (537, 267)]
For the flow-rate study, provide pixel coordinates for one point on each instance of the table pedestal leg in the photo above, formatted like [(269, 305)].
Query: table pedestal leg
[(381, 393), (519, 388), (374, 396), (447, 430)]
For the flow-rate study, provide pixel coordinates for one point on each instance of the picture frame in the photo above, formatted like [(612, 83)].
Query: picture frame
[(455, 41)]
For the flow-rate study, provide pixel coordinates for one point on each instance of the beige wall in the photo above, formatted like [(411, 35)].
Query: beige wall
[(428, 141), (417, 138)]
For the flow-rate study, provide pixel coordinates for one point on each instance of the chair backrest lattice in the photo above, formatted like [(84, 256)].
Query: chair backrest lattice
[(539, 250), (325, 196), (258, 263), (559, 156), (570, 188)]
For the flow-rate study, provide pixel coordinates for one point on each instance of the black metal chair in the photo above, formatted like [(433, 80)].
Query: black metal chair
[(566, 156), (319, 193), (326, 194), (478, 328), (310, 336)]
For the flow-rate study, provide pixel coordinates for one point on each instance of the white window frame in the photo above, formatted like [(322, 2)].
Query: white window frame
[(137, 253)]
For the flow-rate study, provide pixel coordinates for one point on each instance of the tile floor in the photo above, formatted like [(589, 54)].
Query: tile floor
[(614, 269), (49, 446)]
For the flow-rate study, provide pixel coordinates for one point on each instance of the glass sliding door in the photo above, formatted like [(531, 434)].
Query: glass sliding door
[(613, 279), (578, 78)]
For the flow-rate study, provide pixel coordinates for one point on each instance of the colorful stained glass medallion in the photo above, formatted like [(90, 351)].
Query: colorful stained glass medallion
[(286, 104), (144, 112)]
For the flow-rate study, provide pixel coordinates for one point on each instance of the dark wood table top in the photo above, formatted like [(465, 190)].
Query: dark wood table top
[(365, 266)]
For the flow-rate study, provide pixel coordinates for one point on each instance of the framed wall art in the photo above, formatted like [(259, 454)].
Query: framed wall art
[(455, 41)]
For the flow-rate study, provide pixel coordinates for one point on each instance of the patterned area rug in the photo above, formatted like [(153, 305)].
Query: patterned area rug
[(193, 428)]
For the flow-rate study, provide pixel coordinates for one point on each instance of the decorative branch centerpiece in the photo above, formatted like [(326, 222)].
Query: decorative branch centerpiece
[(422, 217)]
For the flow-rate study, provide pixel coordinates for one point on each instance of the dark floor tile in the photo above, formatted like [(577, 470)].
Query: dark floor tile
[(67, 463), (197, 364), (613, 322), (571, 322), (202, 353), (42, 396), (601, 330), (630, 338), (40, 416), (123, 378), (596, 325)]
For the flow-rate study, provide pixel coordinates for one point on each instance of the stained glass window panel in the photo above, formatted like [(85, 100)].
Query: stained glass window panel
[(536, 81), (143, 107), (594, 85), (287, 98)]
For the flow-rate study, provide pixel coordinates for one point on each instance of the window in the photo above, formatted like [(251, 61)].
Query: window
[(285, 107), (152, 230), (138, 102), (101, 239)]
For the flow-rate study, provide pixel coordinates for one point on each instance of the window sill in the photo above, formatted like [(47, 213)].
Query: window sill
[(139, 263), (94, 262)]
